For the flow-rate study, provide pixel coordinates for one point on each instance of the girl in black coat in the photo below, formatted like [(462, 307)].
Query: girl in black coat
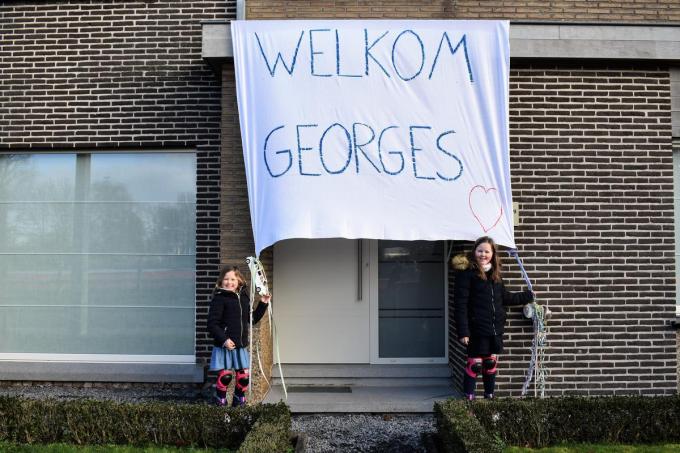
[(228, 324), (479, 300)]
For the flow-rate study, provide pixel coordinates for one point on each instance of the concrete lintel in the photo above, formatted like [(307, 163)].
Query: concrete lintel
[(100, 372), (594, 49), (612, 42), (554, 41), (216, 46)]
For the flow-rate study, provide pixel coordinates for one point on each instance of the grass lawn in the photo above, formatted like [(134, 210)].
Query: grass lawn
[(598, 448), (65, 448)]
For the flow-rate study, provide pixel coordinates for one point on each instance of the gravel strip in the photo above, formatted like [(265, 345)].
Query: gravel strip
[(117, 392), (364, 433)]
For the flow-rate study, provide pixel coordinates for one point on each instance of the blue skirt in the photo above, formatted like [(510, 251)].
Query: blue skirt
[(224, 359)]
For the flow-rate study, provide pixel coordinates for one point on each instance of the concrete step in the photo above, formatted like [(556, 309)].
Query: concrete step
[(363, 375), (360, 382), (346, 388), (362, 371), (370, 399)]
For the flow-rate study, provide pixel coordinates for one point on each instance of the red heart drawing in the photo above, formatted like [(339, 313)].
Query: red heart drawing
[(485, 206)]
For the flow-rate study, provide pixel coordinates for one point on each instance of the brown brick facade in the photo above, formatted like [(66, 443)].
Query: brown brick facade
[(592, 170), (593, 173), (591, 160), (554, 10)]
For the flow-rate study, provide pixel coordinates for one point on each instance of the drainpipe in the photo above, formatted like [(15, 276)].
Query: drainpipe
[(240, 9)]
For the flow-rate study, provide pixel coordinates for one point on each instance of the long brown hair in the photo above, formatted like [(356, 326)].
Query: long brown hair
[(225, 270), (495, 261)]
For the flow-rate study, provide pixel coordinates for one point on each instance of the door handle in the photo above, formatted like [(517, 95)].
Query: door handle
[(360, 270)]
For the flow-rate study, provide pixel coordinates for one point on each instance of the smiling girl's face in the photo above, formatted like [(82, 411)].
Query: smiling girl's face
[(230, 282), (483, 254)]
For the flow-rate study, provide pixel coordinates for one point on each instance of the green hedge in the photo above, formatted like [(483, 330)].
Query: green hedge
[(106, 422), (539, 423), (271, 432), (624, 420), (460, 431)]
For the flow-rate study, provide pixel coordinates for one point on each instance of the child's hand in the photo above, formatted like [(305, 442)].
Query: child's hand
[(465, 340), (266, 298), (229, 344)]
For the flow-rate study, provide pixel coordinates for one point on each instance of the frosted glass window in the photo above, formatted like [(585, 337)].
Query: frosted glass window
[(98, 253), (411, 303)]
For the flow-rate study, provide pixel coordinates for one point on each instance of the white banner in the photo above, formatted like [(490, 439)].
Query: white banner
[(375, 129)]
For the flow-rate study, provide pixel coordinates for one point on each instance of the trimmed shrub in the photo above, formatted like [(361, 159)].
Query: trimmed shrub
[(537, 423), (460, 431), (271, 432), (106, 422), (619, 419)]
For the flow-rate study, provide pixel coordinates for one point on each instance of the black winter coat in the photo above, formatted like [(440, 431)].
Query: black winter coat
[(229, 316), (479, 304)]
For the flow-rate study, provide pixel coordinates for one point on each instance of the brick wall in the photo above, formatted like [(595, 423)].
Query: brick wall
[(555, 10), (592, 170), (591, 162), (124, 75)]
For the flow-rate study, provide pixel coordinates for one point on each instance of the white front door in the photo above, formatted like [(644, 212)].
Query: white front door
[(360, 301), (321, 300)]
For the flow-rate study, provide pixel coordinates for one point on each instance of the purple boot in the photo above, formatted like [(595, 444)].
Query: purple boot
[(238, 401)]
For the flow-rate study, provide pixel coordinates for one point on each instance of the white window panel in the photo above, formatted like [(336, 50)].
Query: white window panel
[(97, 256)]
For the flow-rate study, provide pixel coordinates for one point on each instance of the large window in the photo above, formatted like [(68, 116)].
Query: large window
[(98, 256)]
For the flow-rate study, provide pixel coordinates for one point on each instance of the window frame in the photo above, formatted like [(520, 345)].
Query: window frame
[(150, 366)]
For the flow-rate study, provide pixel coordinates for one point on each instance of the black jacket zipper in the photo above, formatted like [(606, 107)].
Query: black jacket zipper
[(240, 318), (493, 310)]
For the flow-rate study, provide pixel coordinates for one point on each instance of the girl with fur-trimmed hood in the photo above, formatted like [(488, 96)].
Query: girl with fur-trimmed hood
[(480, 298)]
